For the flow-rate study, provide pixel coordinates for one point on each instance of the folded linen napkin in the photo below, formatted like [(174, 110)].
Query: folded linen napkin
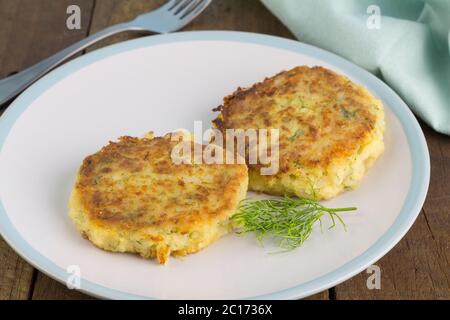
[(404, 42)]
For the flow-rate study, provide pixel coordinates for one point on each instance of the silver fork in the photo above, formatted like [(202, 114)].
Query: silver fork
[(172, 16)]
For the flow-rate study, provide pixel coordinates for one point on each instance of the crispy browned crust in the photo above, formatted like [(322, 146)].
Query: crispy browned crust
[(153, 202), (341, 120), (131, 197)]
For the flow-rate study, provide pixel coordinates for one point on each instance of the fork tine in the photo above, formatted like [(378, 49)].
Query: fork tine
[(169, 4), (188, 9), (196, 10), (179, 6), (172, 16)]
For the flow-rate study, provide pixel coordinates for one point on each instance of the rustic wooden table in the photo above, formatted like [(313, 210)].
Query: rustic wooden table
[(417, 268)]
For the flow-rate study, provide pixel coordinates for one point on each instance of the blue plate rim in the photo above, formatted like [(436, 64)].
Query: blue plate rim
[(409, 212)]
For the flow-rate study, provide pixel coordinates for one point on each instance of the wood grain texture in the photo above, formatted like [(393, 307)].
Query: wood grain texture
[(324, 295), (31, 30), (45, 288), (418, 267), (16, 274)]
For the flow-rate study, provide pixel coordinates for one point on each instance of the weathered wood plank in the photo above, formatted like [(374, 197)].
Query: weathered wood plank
[(418, 267), (45, 288), (324, 295), (15, 274), (240, 15), (8, 13), (32, 30)]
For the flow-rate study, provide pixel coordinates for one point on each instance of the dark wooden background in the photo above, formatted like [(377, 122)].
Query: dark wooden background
[(30, 30)]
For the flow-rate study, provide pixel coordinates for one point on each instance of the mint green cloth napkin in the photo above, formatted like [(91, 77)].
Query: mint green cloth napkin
[(410, 50)]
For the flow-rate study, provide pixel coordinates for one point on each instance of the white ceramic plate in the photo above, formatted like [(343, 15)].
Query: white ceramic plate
[(167, 82)]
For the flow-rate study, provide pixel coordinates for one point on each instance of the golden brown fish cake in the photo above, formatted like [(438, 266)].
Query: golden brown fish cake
[(331, 130), (131, 197)]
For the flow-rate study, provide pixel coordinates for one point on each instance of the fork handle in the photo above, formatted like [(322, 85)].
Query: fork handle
[(11, 86)]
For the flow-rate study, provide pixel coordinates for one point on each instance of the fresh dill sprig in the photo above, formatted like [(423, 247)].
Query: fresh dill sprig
[(288, 221)]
